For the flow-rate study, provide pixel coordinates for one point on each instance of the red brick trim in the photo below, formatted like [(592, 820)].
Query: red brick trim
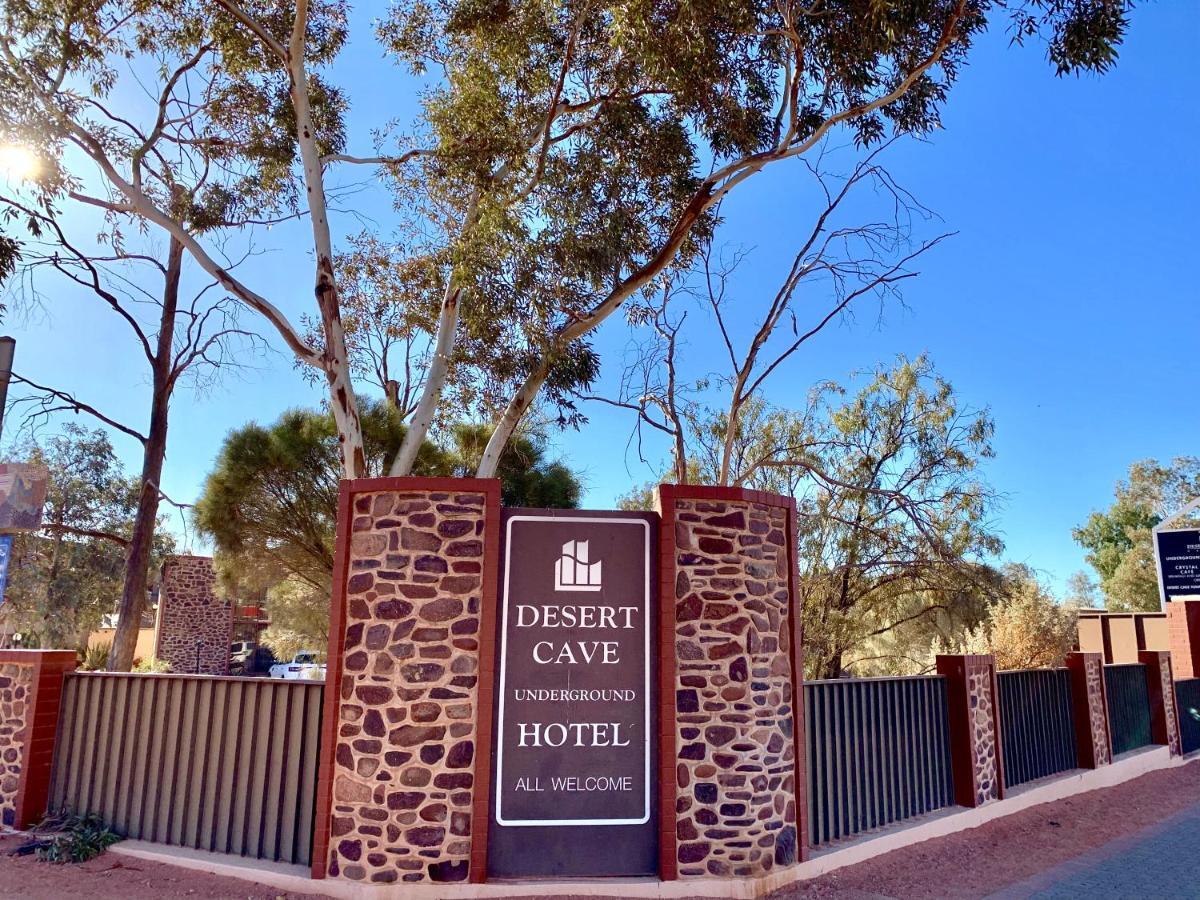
[(668, 494), (486, 691), (668, 864), (347, 491), (41, 727)]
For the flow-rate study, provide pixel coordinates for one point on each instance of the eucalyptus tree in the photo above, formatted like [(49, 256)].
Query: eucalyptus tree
[(566, 154)]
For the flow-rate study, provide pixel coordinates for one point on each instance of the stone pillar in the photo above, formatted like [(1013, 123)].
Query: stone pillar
[(731, 767), (1092, 737), (1183, 629), (1164, 717), (402, 794), (30, 692), (974, 714), (195, 626)]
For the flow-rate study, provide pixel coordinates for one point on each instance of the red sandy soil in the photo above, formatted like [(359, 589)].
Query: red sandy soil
[(109, 875), (978, 861), (970, 863)]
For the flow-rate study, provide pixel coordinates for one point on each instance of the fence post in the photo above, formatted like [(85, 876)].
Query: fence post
[(974, 714), (31, 684), (1183, 628), (1092, 736), (1164, 716)]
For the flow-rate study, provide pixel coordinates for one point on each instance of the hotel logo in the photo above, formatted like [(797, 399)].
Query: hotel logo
[(573, 572)]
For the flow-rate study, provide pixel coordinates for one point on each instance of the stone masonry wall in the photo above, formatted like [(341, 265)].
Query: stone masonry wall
[(190, 612), (405, 745), (736, 800), (983, 714), (16, 710)]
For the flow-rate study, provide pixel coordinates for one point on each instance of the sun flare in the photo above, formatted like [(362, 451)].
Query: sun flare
[(18, 162)]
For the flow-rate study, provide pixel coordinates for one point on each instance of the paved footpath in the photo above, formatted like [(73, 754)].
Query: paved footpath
[(1159, 861)]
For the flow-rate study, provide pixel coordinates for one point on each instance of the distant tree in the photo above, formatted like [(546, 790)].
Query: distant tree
[(1082, 591), (270, 504), (1026, 627), (1120, 541), (299, 616), (66, 577)]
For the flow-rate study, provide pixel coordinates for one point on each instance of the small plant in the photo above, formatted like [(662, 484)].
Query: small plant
[(95, 658), (67, 838), (151, 666)]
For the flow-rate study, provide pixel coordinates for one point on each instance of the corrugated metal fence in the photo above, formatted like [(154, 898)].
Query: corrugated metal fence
[(878, 752), (1128, 706), (1187, 698), (221, 764), (1037, 724)]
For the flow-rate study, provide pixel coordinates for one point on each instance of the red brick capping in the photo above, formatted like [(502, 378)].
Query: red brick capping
[(1183, 631), (974, 717), (195, 626), (1164, 716), (30, 693), (731, 749), (1092, 735), (406, 733)]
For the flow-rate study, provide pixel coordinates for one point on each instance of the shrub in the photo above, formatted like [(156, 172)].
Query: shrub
[(95, 658), (73, 839), (151, 665)]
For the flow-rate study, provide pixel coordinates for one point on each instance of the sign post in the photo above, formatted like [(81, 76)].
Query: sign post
[(575, 734)]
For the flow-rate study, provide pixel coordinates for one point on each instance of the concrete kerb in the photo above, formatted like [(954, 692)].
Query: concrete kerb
[(296, 878)]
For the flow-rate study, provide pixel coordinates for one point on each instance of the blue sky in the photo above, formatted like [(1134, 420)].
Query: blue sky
[(1066, 303)]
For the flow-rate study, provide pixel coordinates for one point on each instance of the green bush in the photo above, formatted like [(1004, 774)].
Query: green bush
[(73, 839), (95, 658), (151, 665)]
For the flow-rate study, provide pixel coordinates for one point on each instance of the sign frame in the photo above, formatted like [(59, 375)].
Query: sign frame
[(501, 650), (1163, 527), (550, 846)]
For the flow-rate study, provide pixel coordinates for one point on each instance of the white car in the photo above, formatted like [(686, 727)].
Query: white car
[(304, 665)]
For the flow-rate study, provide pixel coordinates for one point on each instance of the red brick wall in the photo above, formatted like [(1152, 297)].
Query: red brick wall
[(1183, 627)]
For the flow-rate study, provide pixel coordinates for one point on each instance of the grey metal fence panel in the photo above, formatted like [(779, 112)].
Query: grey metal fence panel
[(1187, 701), (1128, 700), (878, 752), (221, 764), (1037, 724)]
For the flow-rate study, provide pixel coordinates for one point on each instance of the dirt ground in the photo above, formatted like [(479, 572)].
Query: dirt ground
[(970, 863), (978, 861), (109, 875)]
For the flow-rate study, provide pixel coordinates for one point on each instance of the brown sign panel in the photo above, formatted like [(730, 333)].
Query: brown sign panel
[(573, 792)]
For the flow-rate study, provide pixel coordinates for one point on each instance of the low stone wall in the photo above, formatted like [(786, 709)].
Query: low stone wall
[(733, 799), (30, 693), (404, 704), (195, 626), (16, 695)]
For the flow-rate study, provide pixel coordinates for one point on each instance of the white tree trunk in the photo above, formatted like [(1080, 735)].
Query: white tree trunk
[(335, 360), (435, 379)]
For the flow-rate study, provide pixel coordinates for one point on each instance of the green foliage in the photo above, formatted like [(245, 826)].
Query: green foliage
[(151, 666), (893, 517), (1026, 628), (299, 616), (1120, 541), (95, 657), (73, 839), (66, 577), (270, 504)]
